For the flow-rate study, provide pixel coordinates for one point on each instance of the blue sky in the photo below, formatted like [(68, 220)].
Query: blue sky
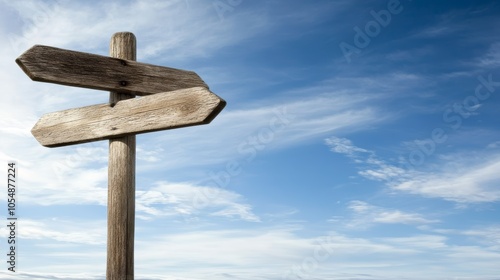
[(360, 141)]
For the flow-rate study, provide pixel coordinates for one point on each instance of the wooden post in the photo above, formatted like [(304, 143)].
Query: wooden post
[(178, 98), (121, 181)]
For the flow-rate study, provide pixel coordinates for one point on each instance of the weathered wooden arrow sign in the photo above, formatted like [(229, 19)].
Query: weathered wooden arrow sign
[(176, 98), (172, 98), (53, 65), (161, 111)]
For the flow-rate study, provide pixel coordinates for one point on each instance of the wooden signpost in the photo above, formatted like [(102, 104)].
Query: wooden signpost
[(172, 98)]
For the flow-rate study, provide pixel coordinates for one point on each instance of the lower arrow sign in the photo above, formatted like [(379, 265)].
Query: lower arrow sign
[(161, 111)]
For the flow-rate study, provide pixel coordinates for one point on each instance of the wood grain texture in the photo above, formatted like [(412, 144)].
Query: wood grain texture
[(161, 111), (54, 65), (121, 181)]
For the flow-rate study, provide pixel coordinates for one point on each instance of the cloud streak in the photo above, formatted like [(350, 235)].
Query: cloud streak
[(457, 177), (366, 214), (186, 200)]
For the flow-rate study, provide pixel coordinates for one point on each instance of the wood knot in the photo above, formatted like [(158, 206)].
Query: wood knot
[(123, 83)]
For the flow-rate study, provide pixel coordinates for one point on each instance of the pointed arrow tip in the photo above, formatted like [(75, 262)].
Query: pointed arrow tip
[(23, 58), (216, 111), (35, 132), (38, 132), (19, 62)]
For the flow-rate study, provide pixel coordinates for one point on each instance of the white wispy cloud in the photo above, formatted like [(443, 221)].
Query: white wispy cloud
[(186, 200), (366, 214), (177, 32), (491, 58), (457, 177), (411, 54), (494, 145), (463, 183), (489, 236), (446, 24), (421, 243), (343, 146), (87, 232)]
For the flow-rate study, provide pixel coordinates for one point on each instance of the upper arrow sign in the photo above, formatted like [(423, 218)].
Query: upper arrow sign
[(53, 65), (161, 111)]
